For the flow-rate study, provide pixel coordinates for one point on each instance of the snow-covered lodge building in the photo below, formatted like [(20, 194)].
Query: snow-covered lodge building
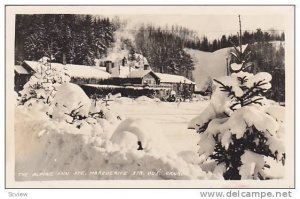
[(113, 77)]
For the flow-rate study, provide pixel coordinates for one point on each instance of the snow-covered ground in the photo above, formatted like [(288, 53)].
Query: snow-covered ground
[(62, 134), (171, 118), (79, 138), (104, 148)]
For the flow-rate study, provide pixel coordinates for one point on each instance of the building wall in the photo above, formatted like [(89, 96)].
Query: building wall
[(179, 88), (149, 79), (20, 81)]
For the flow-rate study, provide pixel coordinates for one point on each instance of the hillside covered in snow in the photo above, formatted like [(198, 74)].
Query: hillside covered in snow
[(208, 64), (213, 64)]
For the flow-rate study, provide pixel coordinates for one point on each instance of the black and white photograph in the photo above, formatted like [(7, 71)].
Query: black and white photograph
[(150, 96)]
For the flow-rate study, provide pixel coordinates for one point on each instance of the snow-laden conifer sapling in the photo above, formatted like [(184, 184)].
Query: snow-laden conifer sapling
[(240, 127)]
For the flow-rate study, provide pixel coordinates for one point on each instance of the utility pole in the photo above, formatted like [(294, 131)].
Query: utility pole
[(240, 38), (227, 67)]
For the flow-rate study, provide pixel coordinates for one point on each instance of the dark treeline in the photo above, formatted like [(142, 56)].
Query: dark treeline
[(79, 39), (164, 49), (270, 58), (76, 39), (247, 38)]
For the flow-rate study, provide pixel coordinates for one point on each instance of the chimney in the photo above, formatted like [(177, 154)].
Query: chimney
[(108, 66), (124, 61), (146, 66), (64, 59)]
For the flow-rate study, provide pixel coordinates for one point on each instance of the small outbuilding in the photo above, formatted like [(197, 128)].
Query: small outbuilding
[(143, 77), (22, 76)]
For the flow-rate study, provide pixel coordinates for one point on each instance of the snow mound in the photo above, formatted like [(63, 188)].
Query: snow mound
[(124, 100), (117, 95), (29, 123), (156, 99), (144, 131), (70, 100), (190, 157), (47, 148), (143, 99)]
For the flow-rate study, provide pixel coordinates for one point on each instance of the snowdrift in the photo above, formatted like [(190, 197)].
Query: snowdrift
[(93, 148), (50, 150)]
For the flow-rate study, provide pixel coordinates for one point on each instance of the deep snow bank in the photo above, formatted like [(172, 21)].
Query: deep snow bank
[(95, 147), (47, 149)]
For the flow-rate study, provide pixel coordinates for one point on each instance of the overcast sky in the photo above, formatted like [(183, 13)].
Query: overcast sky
[(213, 26), (213, 21)]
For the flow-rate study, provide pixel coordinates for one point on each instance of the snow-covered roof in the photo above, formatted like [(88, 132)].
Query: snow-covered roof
[(123, 71), (140, 73), (102, 68), (21, 70), (167, 78), (34, 65), (87, 71), (80, 71), (103, 86)]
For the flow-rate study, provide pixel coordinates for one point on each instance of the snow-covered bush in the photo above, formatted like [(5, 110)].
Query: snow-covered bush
[(70, 103), (72, 106), (240, 126), (43, 84)]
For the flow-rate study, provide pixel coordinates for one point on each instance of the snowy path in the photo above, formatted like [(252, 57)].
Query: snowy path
[(171, 118)]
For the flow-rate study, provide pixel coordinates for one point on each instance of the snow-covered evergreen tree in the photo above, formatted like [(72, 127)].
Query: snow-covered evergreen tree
[(240, 127)]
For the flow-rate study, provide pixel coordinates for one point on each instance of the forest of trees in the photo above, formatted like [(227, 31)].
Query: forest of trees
[(75, 39), (268, 58), (247, 38), (80, 39), (164, 49)]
